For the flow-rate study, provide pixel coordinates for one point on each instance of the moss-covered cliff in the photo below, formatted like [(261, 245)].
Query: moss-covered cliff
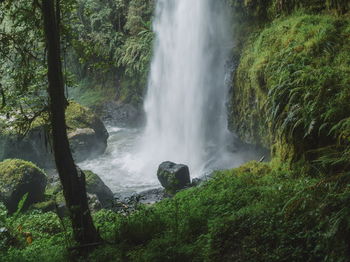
[(292, 85)]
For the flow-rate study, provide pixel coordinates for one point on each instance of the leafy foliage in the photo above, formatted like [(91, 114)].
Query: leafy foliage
[(272, 9), (23, 68), (257, 212), (112, 43), (33, 237), (299, 86)]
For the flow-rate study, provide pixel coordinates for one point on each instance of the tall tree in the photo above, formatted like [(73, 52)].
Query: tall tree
[(73, 181)]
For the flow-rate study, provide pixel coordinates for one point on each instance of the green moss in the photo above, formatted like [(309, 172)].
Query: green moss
[(59, 197), (45, 206), (293, 90), (267, 10), (19, 178), (12, 170), (91, 179), (78, 116), (257, 212)]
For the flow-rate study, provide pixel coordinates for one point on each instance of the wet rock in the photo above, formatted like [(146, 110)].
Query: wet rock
[(127, 203), (33, 147), (95, 186), (62, 209), (82, 141), (196, 182), (153, 195), (18, 177), (87, 134), (173, 177), (124, 115), (94, 203)]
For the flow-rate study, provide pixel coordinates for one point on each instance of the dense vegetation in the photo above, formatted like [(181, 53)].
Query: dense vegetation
[(290, 93), (258, 212), (300, 87), (111, 49), (106, 51)]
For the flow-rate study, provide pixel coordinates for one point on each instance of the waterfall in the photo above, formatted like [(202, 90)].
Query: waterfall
[(185, 103)]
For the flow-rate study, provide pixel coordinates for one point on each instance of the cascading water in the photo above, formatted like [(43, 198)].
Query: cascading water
[(185, 104)]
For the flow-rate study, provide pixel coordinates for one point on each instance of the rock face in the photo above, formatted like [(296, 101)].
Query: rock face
[(173, 177), (33, 147), (121, 114), (94, 203), (86, 132), (95, 186), (83, 140), (99, 195), (18, 177)]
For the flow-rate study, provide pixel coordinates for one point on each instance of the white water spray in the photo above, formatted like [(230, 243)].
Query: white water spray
[(185, 104)]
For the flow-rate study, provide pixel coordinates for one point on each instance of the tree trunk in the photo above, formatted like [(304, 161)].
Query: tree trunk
[(73, 182)]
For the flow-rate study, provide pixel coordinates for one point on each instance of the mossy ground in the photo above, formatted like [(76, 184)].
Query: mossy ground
[(258, 212)]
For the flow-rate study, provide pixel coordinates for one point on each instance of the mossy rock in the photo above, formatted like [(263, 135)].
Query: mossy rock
[(86, 132), (95, 186), (18, 177), (267, 10), (291, 92), (87, 135), (173, 177)]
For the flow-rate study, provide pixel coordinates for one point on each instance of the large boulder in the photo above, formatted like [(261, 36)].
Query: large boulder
[(18, 177), (85, 143), (99, 195), (62, 209), (95, 186), (86, 132), (173, 177)]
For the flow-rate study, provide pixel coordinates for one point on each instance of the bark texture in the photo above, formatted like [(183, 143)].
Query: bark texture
[(73, 181)]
